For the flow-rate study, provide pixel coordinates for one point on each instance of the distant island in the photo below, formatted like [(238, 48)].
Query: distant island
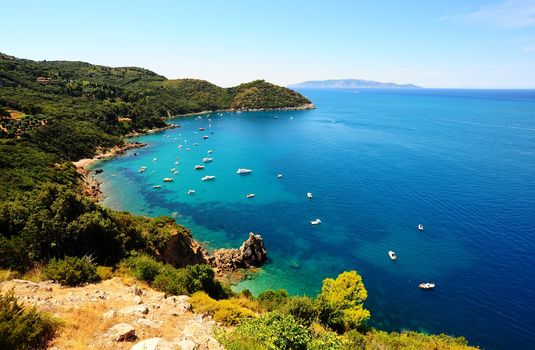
[(351, 84)]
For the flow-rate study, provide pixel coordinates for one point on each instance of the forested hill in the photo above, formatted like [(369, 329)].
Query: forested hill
[(119, 100)]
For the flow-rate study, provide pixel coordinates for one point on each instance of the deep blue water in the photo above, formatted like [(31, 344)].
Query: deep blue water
[(378, 162)]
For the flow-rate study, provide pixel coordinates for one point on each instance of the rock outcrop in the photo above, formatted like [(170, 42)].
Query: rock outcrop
[(182, 250), (252, 253)]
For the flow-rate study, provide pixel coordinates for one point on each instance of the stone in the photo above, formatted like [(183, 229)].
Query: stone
[(149, 323), (137, 291), (186, 344), (122, 332), (137, 300), (134, 310), (155, 344), (108, 315)]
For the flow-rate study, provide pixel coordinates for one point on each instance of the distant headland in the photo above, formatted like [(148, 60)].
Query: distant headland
[(351, 84)]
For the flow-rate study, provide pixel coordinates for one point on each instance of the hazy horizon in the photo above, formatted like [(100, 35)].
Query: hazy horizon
[(480, 44)]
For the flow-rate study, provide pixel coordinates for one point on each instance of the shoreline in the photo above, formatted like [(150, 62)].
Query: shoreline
[(303, 107)]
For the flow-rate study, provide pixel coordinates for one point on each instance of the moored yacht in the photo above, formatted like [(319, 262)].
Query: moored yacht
[(191, 191), (309, 195), (168, 179), (207, 160), (250, 195), (315, 222), (243, 171), (392, 255), (426, 285), (420, 227), (208, 178), (199, 167)]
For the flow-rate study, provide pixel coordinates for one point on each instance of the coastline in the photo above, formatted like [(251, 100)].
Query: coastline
[(303, 107)]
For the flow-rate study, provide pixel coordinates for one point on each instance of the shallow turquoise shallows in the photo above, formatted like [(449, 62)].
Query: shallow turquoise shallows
[(378, 163)]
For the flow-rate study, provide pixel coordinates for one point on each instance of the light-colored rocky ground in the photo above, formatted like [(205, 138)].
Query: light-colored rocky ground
[(117, 314)]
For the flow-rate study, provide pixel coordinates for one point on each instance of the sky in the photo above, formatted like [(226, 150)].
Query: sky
[(449, 44)]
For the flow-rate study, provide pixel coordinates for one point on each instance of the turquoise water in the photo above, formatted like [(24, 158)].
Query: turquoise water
[(378, 162)]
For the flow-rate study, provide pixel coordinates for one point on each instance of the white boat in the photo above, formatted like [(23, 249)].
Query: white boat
[(392, 255), (420, 227), (208, 178), (199, 167), (154, 159), (279, 176), (175, 172), (315, 222), (168, 179), (157, 186), (207, 160), (202, 129), (426, 285), (309, 195), (142, 169), (191, 191), (210, 151), (205, 137), (172, 169), (250, 195), (187, 149), (179, 146), (243, 171)]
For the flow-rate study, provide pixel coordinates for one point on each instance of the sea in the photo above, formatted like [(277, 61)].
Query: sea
[(378, 162)]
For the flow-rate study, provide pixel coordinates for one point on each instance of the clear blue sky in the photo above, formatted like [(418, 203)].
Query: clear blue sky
[(457, 43)]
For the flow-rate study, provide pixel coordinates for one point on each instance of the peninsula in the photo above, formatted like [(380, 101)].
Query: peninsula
[(350, 84)]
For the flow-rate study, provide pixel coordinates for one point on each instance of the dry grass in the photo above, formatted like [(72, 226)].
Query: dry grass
[(6, 275), (81, 312), (35, 274)]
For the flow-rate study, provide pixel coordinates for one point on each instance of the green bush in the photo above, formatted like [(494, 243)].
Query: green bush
[(143, 267), (272, 299), (304, 309), (228, 312), (272, 331), (190, 279), (104, 272), (71, 271), (23, 328)]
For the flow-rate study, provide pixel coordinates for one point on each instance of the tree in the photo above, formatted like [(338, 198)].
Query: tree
[(342, 302)]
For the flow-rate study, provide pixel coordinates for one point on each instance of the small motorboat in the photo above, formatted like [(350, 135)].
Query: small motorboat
[(202, 129), (420, 227), (243, 171), (279, 176), (250, 195), (191, 192), (208, 178), (175, 172), (188, 149), (315, 222), (210, 151), (157, 186), (172, 169), (168, 179), (179, 146), (195, 144), (204, 137), (426, 285), (176, 163), (154, 159), (392, 255), (309, 195), (142, 169), (199, 167), (207, 160)]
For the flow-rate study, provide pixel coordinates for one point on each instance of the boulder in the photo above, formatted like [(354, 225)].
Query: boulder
[(137, 310), (122, 332), (149, 323), (108, 315)]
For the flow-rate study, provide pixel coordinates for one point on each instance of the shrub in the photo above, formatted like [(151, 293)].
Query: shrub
[(272, 331), (71, 271), (22, 328), (104, 272), (190, 279), (143, 267), (272, 299), (305, 310), (229, 311)]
